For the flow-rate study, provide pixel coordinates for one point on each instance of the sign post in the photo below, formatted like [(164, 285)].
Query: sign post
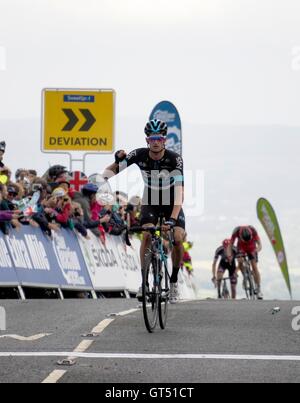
[(78, 121)]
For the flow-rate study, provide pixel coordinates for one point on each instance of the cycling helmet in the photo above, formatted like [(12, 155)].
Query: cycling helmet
[(246, 234), (226, 243), (156, 127), (90, 188), (57, 170)]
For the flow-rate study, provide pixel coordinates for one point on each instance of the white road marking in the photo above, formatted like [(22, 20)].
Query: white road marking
[(155, 356), (22, 338), (102, 326), (83, 346), (125, 313), (54, 377)]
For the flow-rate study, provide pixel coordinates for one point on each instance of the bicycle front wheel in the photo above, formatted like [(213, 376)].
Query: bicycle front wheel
[(150, 294), (249, 286), (164, 297)]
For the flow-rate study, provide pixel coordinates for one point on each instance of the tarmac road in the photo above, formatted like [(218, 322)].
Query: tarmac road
[(205, 341)]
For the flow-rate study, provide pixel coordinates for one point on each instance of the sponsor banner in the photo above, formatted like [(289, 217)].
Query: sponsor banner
[(39, 261), (70, 261), (103, 263), (7, 271), (267, 217), (129, 262), (168, 113)]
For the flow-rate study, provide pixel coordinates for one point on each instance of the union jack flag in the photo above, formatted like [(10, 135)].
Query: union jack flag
[(78, 180)]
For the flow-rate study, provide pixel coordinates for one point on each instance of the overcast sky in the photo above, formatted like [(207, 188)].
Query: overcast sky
[(221, 62)]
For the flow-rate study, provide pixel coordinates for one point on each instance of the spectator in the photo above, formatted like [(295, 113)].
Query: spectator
[(5, 173), (133, 211), (87, 198), (59, 208), (21, 174), (55, 176), (77, 216), (40, 185), (116, 224), (22, 179), (8, 216), (32, 175), (12, 196), (2, 152)]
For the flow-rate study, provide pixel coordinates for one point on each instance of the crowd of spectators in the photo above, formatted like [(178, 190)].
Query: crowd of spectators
[(51, 203)]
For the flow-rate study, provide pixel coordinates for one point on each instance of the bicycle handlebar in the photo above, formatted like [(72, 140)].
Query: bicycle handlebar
[(145, 229)]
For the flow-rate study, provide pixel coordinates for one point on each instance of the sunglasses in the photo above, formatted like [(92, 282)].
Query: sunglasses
[(155, 138)]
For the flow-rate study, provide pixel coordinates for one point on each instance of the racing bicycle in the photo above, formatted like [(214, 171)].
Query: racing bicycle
[(156, 277)]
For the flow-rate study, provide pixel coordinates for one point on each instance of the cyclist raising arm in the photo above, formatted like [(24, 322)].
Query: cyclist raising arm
[(162, 171)]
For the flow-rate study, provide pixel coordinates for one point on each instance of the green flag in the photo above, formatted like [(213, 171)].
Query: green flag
[(267, 216)]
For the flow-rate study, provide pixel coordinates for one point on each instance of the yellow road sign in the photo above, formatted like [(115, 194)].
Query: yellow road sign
[(78, 120)]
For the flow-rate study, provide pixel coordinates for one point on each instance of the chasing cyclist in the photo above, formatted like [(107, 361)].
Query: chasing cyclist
[(249, 244), (226, 255), (162, 171)]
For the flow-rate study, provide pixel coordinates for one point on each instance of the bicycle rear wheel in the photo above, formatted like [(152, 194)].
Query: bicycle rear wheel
[(164, 297), (150, 294)]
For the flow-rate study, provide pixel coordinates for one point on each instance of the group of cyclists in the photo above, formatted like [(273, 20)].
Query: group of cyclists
[(245, 242), (163, 174)]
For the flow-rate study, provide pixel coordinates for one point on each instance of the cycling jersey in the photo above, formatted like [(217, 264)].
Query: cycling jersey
[(160, 177), (246, 247), (226, 263)]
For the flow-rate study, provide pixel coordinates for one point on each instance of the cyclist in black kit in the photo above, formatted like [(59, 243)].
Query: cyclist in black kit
[(163, 175), (227, 255)]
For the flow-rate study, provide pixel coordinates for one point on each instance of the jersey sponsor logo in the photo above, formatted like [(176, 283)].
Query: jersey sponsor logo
[(179, 163), (132, 155)]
